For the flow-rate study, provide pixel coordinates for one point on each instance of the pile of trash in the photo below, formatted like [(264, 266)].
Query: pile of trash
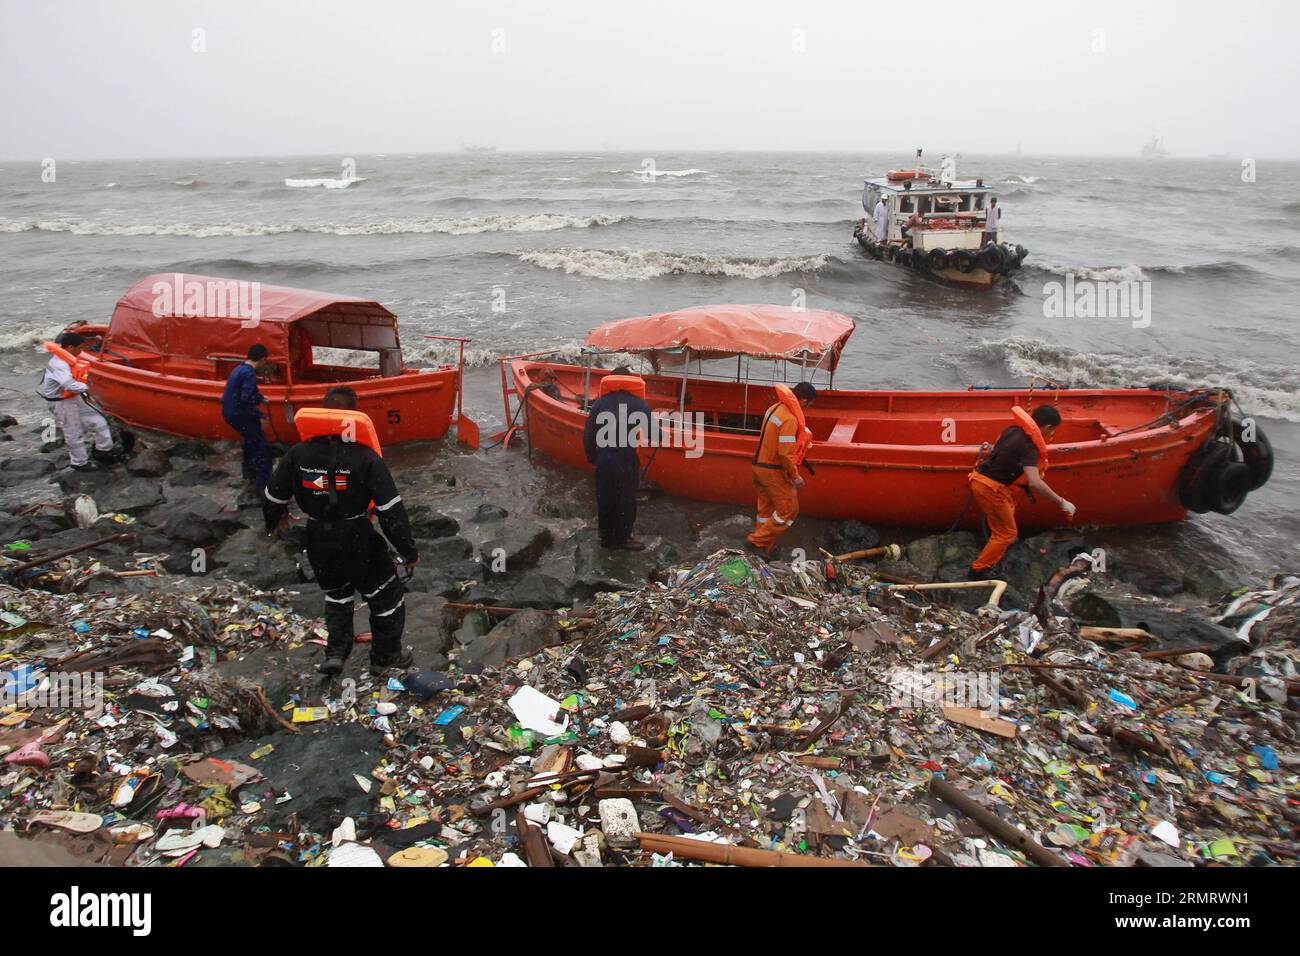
[(1268, 620), (732, 712), (109, 702)]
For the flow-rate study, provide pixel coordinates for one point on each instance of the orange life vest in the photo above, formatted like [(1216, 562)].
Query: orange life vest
[(803, 436), (1026, 421), (80, 367), (623, 383), (352, 425)]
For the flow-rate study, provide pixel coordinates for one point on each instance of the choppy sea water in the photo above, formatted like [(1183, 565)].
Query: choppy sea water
[(524, 252)]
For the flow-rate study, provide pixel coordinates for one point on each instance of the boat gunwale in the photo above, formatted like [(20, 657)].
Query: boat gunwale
[(1138, 444)]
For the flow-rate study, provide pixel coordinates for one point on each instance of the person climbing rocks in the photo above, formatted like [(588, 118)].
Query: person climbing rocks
[(1018, 459)]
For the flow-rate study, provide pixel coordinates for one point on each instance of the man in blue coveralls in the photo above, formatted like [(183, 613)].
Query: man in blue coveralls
[(615, 424), (239, 407)]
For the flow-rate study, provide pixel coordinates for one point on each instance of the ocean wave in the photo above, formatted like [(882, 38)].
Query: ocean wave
[(650, 264), (1270, 391), (671, 173), (462, 226), (27, 339), (1128, 273), (1016, 178), (1136, 273), (323, 183), (186, 182)]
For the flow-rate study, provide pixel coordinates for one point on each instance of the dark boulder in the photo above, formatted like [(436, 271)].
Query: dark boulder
[(489, 513), (518, 635), (14, 471), (148, 463), (427, 523), (852, 536), (519, 547)]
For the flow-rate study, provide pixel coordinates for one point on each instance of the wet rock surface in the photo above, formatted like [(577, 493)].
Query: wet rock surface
[(177, 497)]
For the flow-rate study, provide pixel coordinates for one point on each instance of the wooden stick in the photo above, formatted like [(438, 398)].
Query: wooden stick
[(1177, 652), (1113, 635), (688, 849), (993, 824), (1069, 693), (535, 846), (266, 706), (999, 588), (891, 549), (121, 536), (1180, 703), (490, 609)]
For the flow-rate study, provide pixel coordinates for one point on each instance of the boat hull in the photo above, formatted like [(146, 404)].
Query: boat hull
[(1112, 478), (413, 406)]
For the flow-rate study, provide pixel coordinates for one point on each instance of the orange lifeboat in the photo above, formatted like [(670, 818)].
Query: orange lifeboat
[(173, 339), (1126, 456)]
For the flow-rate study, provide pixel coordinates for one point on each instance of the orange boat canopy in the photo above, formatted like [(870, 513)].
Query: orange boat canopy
[(193, 316), (814, 336)]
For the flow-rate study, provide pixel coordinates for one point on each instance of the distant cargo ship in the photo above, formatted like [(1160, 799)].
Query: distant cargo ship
[(474, 148)]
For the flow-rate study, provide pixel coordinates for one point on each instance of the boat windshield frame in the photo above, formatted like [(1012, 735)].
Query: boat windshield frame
[(807, 370)]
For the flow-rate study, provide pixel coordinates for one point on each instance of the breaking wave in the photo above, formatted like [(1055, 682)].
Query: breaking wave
[(650, 264), (323, 183), (671, 173), (27, 339), (1136, 273), (388, 227), (1271, 391)]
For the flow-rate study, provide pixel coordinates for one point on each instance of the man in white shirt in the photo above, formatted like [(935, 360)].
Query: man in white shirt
[(74, 416), (991, 225), (881, 216)]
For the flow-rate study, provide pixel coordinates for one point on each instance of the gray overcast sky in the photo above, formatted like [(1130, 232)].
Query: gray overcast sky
[(85, 79)]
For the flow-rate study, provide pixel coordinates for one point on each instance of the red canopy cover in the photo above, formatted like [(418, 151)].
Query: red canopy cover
[(722, 331), (196, 316)]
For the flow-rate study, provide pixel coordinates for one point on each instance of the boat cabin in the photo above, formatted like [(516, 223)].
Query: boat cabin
[(199, 327), (952, 213)]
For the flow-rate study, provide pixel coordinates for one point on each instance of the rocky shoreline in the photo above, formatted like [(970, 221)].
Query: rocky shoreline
[(199, 568)]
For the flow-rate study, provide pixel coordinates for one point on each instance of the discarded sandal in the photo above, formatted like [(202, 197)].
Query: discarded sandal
[(30, 755), (69, 820)]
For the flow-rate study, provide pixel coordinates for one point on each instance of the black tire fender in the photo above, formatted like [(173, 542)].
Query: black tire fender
[(1208, 458), (992, 258), (1257, 455), (1225, 489)]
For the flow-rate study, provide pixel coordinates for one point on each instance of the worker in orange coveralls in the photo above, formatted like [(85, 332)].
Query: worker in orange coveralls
[(783, 440), (1018, 459)]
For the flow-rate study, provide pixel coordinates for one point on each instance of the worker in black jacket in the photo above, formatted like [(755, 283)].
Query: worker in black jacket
[(334, 480), (618, 421)]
